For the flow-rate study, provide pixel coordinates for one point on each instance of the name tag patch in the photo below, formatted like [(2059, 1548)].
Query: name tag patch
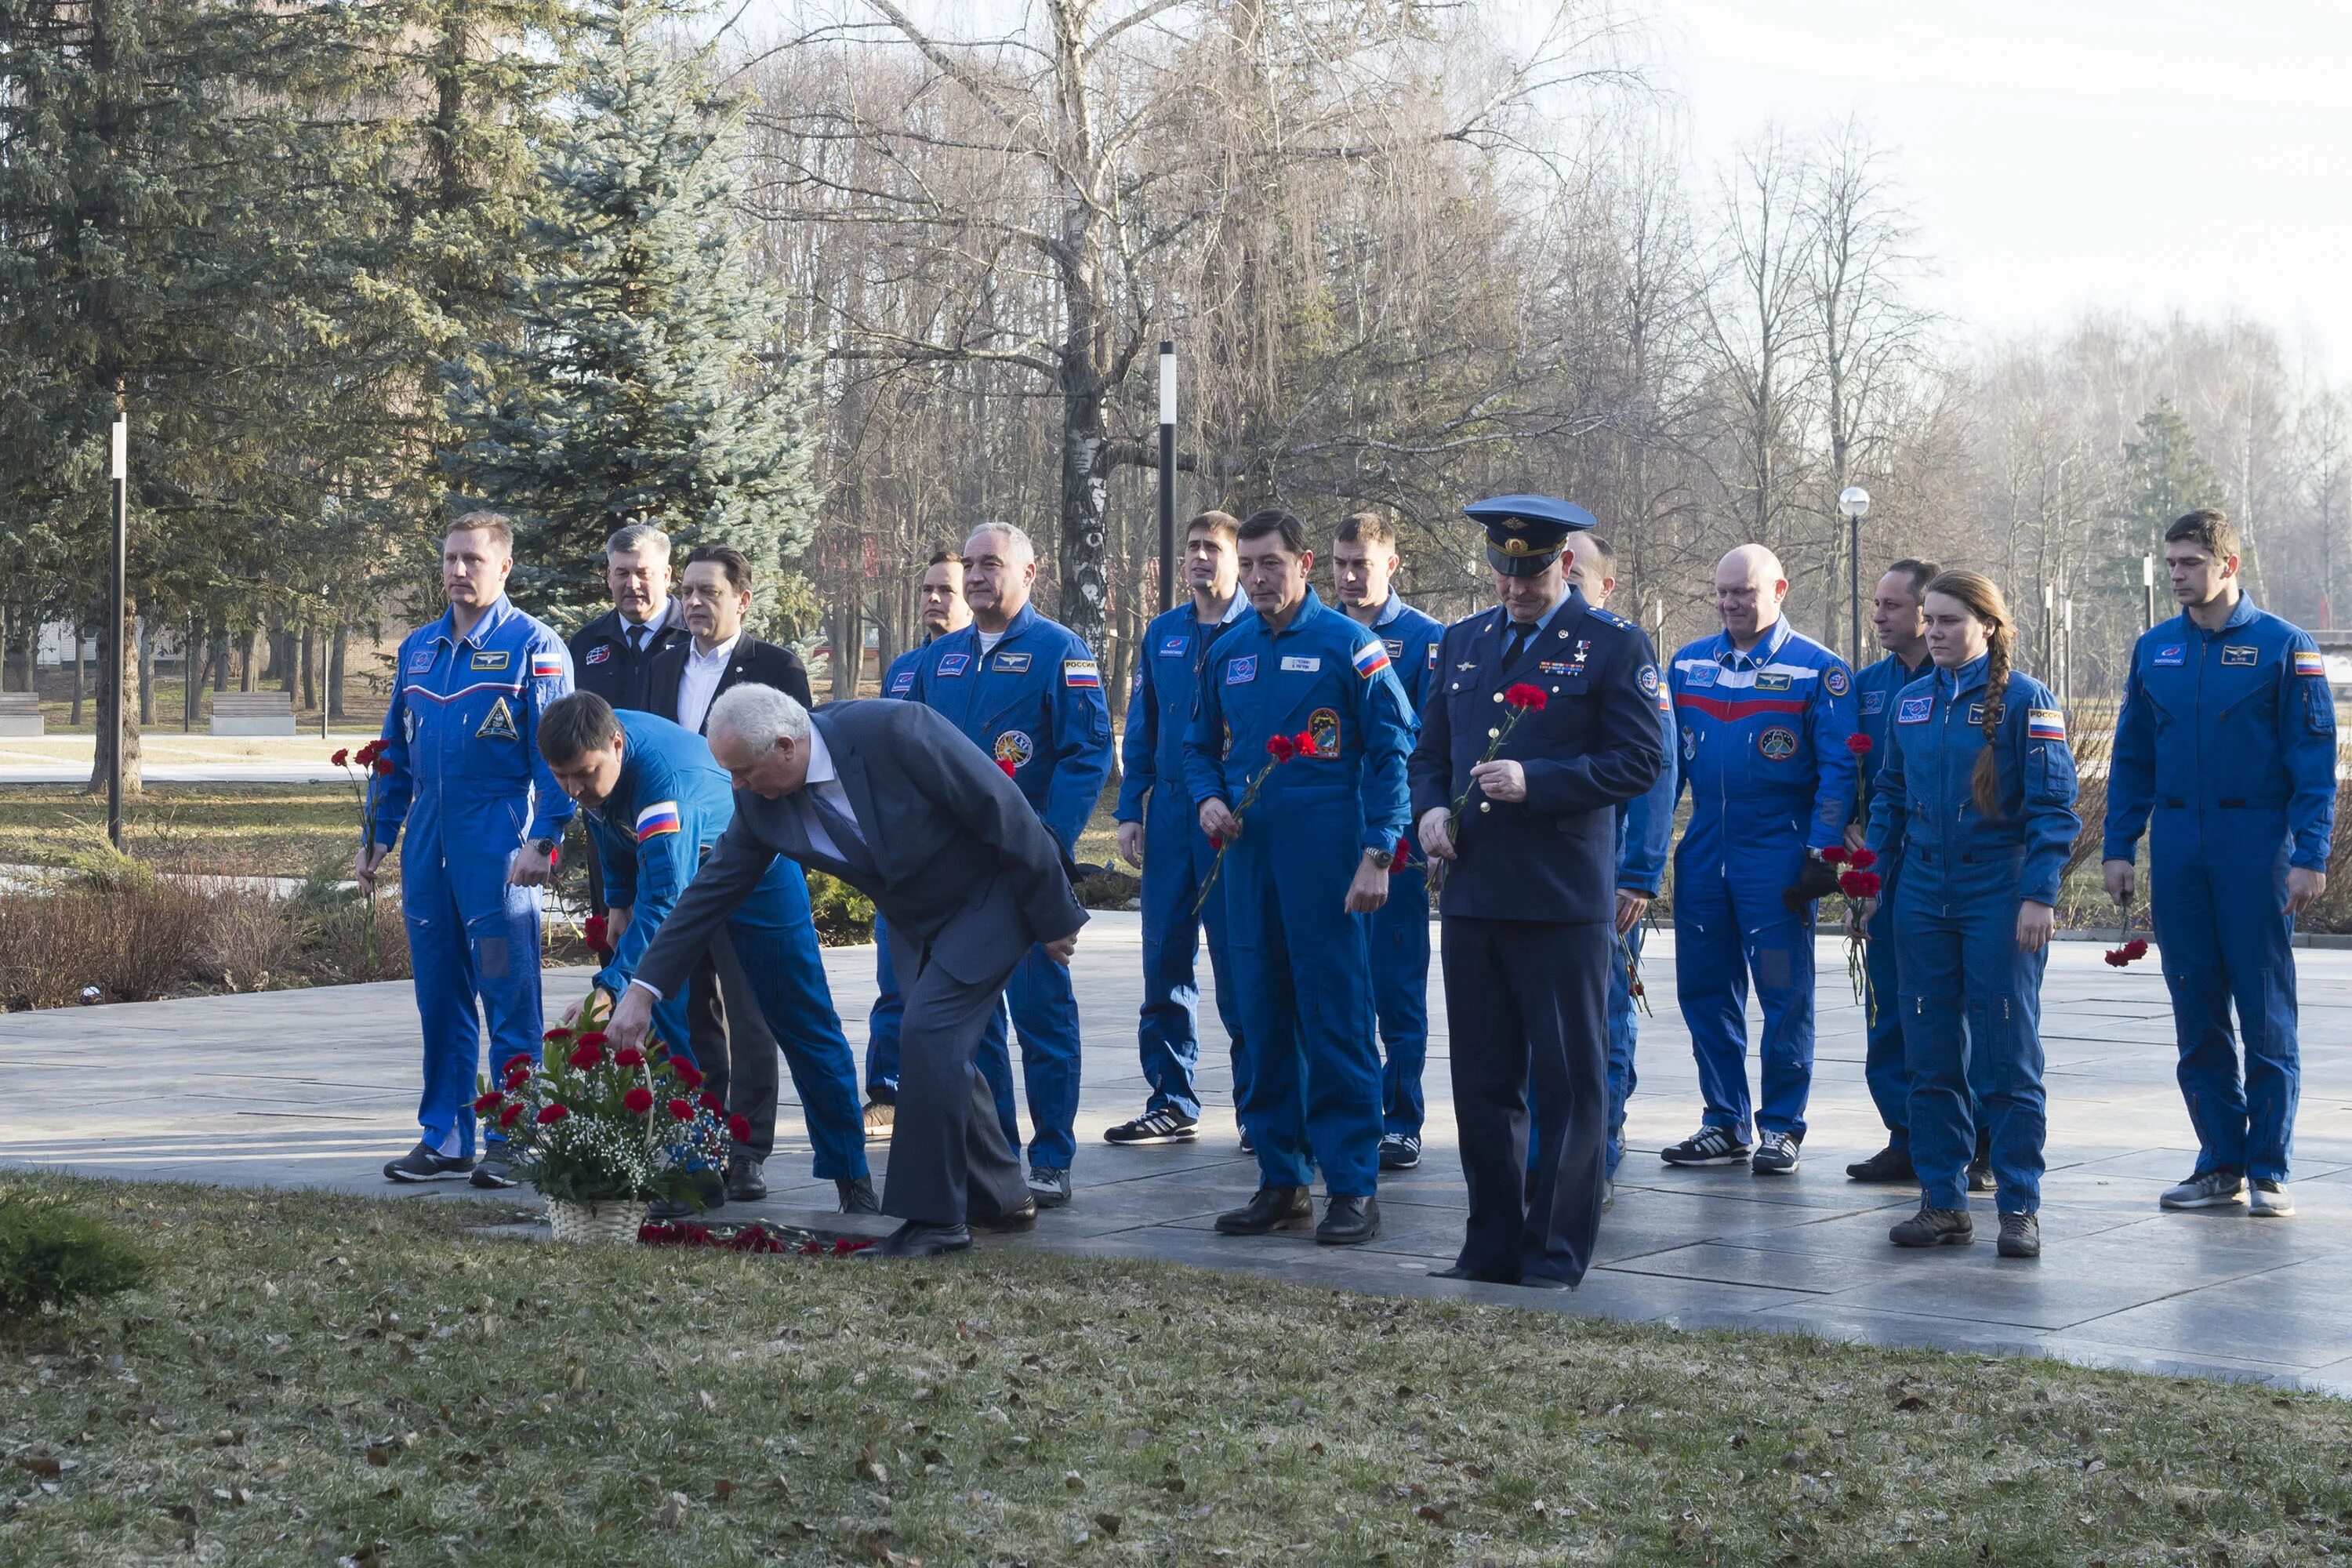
[(1395, 647), (420, 661), (485, 659), (952, 663), (1874, 702), (1302, 663), (2238, 654), (1772, 680), (1172, 647), (2176, 653), (1914, 709), (1976, 713), (1238, 670), (1011, 664)]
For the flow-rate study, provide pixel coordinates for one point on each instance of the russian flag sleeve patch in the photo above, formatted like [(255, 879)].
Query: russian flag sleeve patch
[(2044, 724), (657, 819), (545, 664), (1371, 659), (2308, 662), (1082, 673)]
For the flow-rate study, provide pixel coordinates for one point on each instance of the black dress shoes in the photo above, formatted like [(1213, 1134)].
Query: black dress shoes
[(857, 1194), (1273, 1208), (745, 1184), (1458, 1272), (1004, 1221), (1889, 1164), (1348, 1221), (915, 1239)]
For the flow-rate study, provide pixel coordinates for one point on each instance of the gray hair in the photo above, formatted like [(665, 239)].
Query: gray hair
[(638, 536), (1021, 540), (758, 716)]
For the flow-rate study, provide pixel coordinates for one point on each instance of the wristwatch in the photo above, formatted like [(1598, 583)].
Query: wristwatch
[(1382, 859), (544, 845)]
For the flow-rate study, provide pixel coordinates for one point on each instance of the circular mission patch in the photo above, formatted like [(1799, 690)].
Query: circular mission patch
[(1014, 747), (1778, 743)]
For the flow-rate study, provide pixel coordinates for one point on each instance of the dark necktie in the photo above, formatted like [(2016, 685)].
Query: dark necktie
[(1516, 643), (637, 641), (848, 846)]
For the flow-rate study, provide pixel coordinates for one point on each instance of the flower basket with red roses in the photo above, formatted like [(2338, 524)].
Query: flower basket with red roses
[(606, 1132), (1279, 749)]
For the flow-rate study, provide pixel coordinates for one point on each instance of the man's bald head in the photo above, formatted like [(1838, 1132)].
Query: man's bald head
[(1748, 587)]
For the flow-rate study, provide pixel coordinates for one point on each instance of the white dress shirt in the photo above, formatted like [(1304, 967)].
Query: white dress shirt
[(697, 683)]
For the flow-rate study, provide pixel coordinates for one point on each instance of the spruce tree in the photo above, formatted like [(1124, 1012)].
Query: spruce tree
[(648, 379), (2164, 477)]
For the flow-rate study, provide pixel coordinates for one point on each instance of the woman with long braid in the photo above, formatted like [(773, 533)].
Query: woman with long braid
[(1975, 802)]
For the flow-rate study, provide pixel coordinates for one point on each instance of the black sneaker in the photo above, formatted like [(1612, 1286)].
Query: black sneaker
[(2020, 1236), (422, 1164), (1776, 1155), (1399, 1152), (1980, 1177), (1935, 1227), (1050, 1185), (1889, 1164), (1249, 1145), (493, 1174), (1707, 1146), (857, 1194), (1165, 1125)]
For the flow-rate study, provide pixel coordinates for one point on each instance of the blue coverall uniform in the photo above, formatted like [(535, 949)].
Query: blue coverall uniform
[(1765, 761), (2228, 738), (889, 1008), (1035, 701), (1303, 963), (1645, 830), (1176, 859), (1401, 926), (665, 814), (1883, 1072), (1969, 998), (470, 787)]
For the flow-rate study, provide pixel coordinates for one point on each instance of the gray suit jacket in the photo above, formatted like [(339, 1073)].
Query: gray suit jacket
[(962, 865)]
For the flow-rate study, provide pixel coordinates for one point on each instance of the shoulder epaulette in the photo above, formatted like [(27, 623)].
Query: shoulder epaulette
[(1609, 617)]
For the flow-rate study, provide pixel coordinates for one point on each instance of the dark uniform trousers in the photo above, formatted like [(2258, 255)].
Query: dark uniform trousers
[(731, 1044), (948, 1156)]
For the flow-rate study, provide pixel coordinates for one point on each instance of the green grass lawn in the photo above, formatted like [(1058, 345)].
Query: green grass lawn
[(315, 1379)]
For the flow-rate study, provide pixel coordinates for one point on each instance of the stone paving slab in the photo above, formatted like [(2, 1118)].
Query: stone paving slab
[(318, 1088)]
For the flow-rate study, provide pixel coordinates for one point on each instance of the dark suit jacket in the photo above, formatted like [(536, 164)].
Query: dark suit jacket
[(1595, 742), (602, 662), (962, 865), (753, 663)]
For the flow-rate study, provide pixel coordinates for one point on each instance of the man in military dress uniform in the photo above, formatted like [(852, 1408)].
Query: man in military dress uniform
[(1529, 898)]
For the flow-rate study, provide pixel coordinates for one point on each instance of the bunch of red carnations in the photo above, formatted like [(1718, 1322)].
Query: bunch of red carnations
[(1857, 881), (590, 1124), (1279, 749)]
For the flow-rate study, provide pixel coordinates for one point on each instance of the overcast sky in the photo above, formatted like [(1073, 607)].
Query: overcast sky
[(2151, 154)]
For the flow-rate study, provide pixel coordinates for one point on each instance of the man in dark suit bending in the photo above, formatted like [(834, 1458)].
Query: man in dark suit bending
[(891, 798)]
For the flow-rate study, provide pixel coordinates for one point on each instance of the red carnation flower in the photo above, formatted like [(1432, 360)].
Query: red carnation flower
[(1863, 859), (596, 932), (1281, 748), (592, 1038), (1011, 769), (2136, 949), (518, 1077), (1216, 841), (1858, 743), (687, 1073), (557, 1036), (587, 1054), (341, 758), (739, 1128), (1833, 855), (1858, 884), (1303, 744), (383, 765), (629, 1057), (1403, 855), (712, 1102), (1523, 696), (519, 1059), (551, 1114), (485, 1104), (681, 1111), (638, 1100), (2115, 956), (511, 1114)]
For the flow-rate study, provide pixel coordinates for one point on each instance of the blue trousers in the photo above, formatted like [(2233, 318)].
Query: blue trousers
[(1176, 860), (1623, 1024), (1884, 1070), (1730, 925), (1304, 967), (473, 942), (775, 941), (2221, 923), (1044, 1014), (1400, 997), (882, 1022), (1971, 1009)]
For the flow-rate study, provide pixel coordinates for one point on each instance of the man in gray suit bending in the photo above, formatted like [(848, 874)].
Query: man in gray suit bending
[(891, 798)]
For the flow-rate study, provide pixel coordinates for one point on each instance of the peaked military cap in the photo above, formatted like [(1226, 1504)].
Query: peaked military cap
[(1526, 534)]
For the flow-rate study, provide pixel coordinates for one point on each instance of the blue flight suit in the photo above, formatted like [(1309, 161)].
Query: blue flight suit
[(1645, 831), (1969, 998), (1765, 761), (1035, 701), (1401, 926), (468, 785), (1176, 859), (652, 834), (1302, 963), (2228, 738), (1530, 910), (889, 1008), (1883, 1070)]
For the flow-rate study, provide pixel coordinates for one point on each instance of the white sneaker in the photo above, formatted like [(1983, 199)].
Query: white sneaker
[(2213, 1190), (2269, 1200)]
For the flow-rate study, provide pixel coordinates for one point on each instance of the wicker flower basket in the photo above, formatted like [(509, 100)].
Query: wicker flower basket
[(612, 1224)]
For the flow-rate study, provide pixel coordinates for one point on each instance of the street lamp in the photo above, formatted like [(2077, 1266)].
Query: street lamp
[(1854, 500), (117, 470), (1167, 473)]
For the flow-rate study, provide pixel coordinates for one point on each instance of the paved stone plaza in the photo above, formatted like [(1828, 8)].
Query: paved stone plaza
[(318, 1088)]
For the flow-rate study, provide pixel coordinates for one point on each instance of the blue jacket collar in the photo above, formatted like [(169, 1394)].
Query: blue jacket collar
[(1767, 647), (1957, 683), (1573, 600), (496, 616), (1390, 611), (1311, 609)]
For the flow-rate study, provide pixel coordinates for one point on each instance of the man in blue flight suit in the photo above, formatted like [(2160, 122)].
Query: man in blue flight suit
[(1160, 833), (1029, 693), (1765, 714), (1306, 862), (1897, 615), (1529, 832), (656, 803), (2228, 736), (1645, 831), (483, 817), (1364, 565), (942, 610)]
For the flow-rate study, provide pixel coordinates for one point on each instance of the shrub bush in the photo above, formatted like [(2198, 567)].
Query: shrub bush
[(845, 917), (51, 1255)]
